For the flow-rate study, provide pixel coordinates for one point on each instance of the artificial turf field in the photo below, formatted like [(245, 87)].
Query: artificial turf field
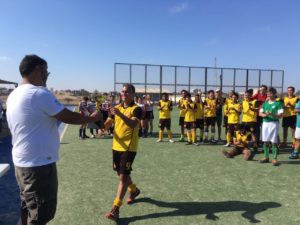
[(179, 185)]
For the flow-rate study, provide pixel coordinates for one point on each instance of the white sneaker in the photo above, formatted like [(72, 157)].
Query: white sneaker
[(159, 141), (171, 141), (92, 136), (227, 145)]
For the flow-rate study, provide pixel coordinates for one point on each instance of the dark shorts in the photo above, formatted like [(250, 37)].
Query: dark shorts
[(200, 123), (38, 192), (181, 121), (164, 123), (232, 128), (149, 115), (122, 161), (209, 121), (105, 115), (225, 119), (250, 127), (289, 121), (190, 125)]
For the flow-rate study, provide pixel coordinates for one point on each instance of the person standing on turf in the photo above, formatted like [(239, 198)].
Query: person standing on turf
[(271, 111), (295, 153), (32, 115), (126, 118), (181, 106)]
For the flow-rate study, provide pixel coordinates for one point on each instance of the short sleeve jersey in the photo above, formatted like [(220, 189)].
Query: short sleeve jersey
[(249, 111), (233, 114), (289, 106), (190, 115), (243, 139), (211, 111), (181, 103), (274, 108), (165, 111), (126, 138), (200, 110), (298, 114)]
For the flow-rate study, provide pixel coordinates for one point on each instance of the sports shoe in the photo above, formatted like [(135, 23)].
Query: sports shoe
[(171, 141), (181, 140), (132, 196), (227, 145), (275, 162), (213, 141), (92, 136), (264, 160), (294, 155), (113, 214), (188, 143), (205, 140), (159, 140), (195, 143)]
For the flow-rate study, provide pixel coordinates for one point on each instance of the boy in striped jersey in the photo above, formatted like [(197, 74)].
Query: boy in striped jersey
[(190, 120)]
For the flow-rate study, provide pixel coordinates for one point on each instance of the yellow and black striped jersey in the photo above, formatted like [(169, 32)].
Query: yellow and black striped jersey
[(165, 109), (211, 107), (249, 111)]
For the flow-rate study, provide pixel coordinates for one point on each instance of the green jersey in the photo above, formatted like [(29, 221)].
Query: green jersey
[(274, 108)]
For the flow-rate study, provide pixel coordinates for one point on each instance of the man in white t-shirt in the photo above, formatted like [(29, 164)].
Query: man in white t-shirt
[(32, 114)]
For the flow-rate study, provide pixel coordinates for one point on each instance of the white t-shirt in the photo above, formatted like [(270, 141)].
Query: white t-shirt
[(35, 137), (1, 108)]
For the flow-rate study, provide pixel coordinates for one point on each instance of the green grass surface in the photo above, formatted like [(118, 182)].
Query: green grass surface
[(180, 185)]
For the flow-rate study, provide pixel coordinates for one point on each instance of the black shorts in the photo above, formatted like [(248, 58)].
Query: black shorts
[(209, 121), (289, 121), (38, 192), (122, 161), (105, 115), (232, 128), (149, 115), (250, 127), (181, 121), (190, 125), (225, 119), (164, 123), (200, 123)]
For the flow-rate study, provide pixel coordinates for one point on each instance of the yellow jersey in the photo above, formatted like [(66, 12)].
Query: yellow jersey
[(249, 111), (233, 113), (165, 111), (190, 112), (200, 110), (289, 106), (211, 111), (181, 105), (243, 139), (227, 101), (126, 138)]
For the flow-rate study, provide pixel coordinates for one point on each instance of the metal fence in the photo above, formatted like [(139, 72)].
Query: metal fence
[(150, 78)]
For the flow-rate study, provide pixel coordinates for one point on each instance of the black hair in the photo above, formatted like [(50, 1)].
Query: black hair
[(132, 88), (236, 94), (265, 86), (210, 91), (29, 63), (188, 94), (249, 91), (165, 94), (291, 88), (272, 90)]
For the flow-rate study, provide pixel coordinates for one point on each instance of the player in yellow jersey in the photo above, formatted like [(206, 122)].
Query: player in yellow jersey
[(190, 120), (249, 117), (165, 107), (233, 112), (241, 144), (210, 107), (289, 116), (199, 115), (125, 117), (225, 106), (181, 106)]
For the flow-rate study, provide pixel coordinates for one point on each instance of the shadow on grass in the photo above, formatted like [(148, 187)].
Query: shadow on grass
[(209, 209)]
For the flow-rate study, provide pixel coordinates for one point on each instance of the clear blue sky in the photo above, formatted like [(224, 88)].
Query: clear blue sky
[(81, 40)]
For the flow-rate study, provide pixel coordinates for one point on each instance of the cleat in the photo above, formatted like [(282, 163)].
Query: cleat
[(205, 140), (227, 145), (188, 143), (264, 160), (294, 155), (132, 196), (195, 143), (275, 162), (92, 136), (159, 140), (113, 214), (171, 141), (213, 141)]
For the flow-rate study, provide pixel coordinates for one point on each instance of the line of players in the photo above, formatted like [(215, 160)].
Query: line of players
[(206, 114)]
